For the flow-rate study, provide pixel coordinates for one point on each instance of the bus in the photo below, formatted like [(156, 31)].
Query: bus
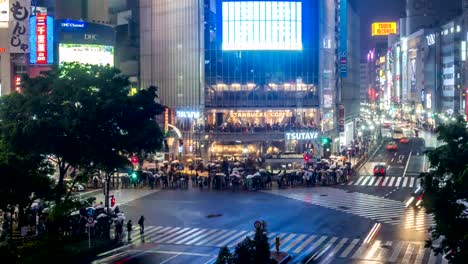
[(397, 133)]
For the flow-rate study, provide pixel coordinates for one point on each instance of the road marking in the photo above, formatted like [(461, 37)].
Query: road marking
[(242, 235), (305, 243), (212, 236), (411, 185), (169, 259), (181, 235), (371, 252), (359, 180), (409, 252), (420, 255), (371, 181), (353, 243), (173, 234), (407, 163), (405, 180), (396, 252), (316, 244), (191, 236), (391, 182), (293, 243), (360, 250), (240, 239), (201, 236), (379, 180), (397, 184), (350, 182), (221, 237), (385, 181), (365, 180), (286, 240)]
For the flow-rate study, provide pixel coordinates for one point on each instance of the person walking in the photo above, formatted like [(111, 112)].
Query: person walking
[(129, 230), (141, 223)]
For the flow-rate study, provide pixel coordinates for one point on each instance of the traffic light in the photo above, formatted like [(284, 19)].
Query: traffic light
[(134, 175), (326, 143), (134, 160), (306, 157)]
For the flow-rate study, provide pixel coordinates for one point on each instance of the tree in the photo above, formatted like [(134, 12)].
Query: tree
[(81, 117), (256, 251), (446, 192), (23, 178), (224, 256)]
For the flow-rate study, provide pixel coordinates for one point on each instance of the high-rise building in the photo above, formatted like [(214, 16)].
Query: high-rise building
[(246, 78), (364, 81)]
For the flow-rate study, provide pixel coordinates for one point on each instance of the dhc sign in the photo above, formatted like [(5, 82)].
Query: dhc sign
[(301, 135)]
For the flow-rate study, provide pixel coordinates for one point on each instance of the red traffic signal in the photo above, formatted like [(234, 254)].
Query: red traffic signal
[(134, 159), (306, 157)]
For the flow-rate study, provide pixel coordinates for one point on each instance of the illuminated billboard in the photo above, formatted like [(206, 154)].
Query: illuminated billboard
[(41, 39), (4, 13), (384, 28), (86, 54), (262, 25)]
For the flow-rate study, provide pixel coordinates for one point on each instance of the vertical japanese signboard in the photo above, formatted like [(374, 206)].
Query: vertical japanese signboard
[(19, 26), (344, 38), (4, 14), (41, 41)]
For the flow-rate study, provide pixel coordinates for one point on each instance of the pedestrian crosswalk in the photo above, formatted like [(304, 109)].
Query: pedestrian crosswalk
[(385, 181), (298, 245), (372, 207)]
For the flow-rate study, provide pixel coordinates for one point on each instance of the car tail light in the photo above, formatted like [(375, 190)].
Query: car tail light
[(382, 170)]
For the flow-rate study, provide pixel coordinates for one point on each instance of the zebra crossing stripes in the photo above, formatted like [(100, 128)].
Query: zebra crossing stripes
[(304, 244), (383, 210), (349, 248), (324, 247), (384, 181)]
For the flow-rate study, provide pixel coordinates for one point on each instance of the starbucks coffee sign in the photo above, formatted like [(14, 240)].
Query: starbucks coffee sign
[(301, 135)]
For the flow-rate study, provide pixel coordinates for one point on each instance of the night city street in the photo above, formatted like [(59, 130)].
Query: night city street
[(234, 131), (329, 222)]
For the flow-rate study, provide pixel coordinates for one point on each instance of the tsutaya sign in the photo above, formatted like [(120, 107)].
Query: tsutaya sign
[(301, 135), (263, 114)]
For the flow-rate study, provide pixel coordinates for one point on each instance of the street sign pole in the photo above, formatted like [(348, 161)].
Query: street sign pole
[(89, 236)]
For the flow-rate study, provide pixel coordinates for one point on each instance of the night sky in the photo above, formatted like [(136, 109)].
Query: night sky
[(376, 10)]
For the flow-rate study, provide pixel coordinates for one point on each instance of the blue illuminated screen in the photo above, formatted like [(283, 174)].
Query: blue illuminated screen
[(262, 25)]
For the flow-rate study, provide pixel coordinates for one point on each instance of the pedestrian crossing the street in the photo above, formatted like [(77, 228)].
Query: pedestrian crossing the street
[(385, 181), (379, 209), (298, 245)]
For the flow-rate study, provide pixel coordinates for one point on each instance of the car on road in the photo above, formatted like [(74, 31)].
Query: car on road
[(416, 198), (391, 146), (380, 170), (404, 140), (397, 133)]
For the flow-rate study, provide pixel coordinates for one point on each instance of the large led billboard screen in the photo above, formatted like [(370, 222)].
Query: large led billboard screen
[(86, 54), (262, 25)]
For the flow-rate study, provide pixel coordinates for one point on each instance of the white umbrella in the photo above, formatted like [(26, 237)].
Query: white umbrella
[(99, 206), (220, 174), (249, 176), (257, 174), (262, 170), (75, 213), (101, 216)]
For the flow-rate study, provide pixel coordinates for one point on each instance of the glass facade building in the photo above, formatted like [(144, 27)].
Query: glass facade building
[(242, 74)]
